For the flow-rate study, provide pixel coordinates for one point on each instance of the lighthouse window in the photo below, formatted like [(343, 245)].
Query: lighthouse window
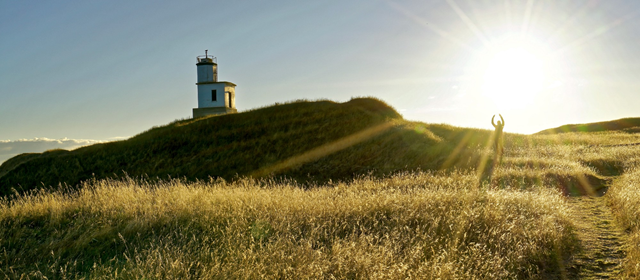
[(213, 95)]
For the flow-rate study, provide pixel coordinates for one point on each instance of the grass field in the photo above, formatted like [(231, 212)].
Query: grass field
[(625, 199), (414, 225), (555, 207), (425, 225)]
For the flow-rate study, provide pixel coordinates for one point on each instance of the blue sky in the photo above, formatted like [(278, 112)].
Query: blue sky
[(103, 70)]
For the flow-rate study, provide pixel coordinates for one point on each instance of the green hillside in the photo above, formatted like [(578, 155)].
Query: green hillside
[(554, 207), (526, 221), (630, 125), (308, 141)]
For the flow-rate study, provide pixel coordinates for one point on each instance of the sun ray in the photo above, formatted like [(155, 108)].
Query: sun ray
[(486, 168), (595, 33), (431, 26), (324, 150), (507, 13), (568, 22), (527, 19), (463, 16), (449, 162)]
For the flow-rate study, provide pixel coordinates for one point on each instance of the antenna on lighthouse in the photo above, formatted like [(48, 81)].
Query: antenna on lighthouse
[(205, 53)]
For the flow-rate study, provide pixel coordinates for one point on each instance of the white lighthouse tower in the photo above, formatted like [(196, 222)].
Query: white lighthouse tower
[(214, 97)]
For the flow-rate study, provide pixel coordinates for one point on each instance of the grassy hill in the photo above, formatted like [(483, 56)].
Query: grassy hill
[(631, 125), (307, 141), (521, 218), (518, 224)]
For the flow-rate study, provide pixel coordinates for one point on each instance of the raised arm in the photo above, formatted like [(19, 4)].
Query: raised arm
[(492, 123), (502, 119)]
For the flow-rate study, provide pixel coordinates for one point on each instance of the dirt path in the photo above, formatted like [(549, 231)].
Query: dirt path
[(601, 239)]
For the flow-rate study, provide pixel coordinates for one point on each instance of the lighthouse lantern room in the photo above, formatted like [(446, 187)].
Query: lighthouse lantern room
[(214, 98)]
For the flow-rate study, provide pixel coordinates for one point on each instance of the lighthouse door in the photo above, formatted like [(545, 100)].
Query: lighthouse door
[(230, 100)]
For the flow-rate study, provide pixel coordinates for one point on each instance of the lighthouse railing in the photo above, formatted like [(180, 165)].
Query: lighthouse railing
[(206, 58)]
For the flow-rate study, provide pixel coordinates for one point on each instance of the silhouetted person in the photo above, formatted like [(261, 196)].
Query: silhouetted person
[(498, 144)]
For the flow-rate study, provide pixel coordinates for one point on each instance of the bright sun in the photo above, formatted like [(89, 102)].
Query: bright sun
[(512, 71), (512, 76)]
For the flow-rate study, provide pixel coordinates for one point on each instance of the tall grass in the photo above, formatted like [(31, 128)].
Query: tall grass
[(415, 225), (482, 218), (624, 197), (599, 157)]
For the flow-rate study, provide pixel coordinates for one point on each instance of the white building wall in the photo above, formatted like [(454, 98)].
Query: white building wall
[(205, 98), (207, 73)]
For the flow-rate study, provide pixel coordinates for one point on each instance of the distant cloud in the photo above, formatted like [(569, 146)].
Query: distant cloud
[(119, 138), (11, 148)]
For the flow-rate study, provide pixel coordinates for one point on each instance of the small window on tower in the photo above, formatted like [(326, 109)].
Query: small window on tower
[(213, 95)]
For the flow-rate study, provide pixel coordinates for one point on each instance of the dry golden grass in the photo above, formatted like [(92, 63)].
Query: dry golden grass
[(413, 225), (624, 196), (511, 220), (600, 157)]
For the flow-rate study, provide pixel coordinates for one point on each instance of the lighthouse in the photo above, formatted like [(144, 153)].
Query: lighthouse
[(214, 98)]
